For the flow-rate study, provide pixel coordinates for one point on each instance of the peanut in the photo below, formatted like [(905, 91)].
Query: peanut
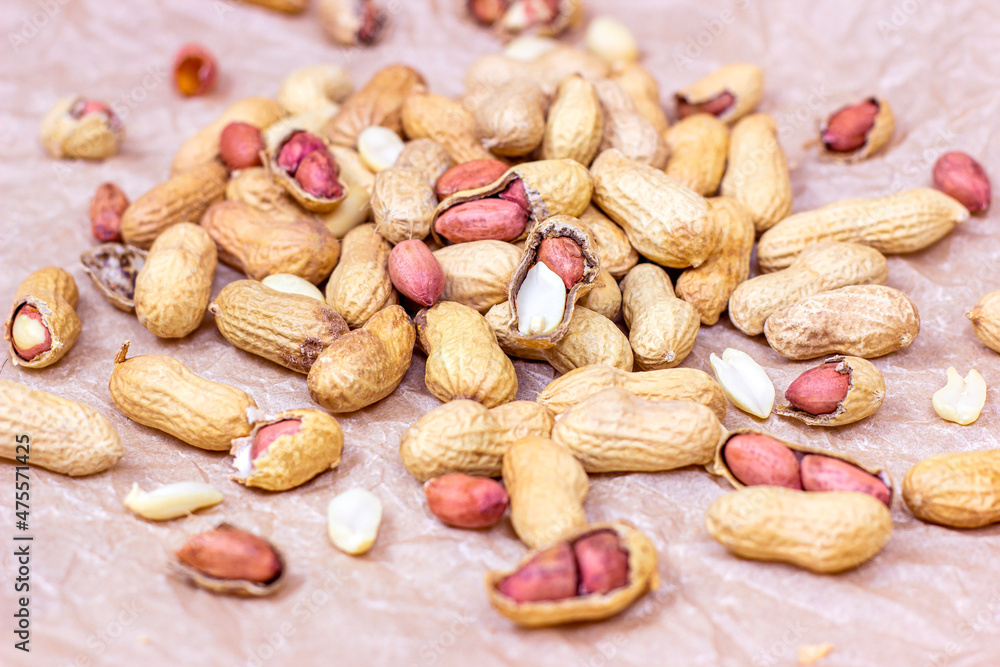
[(171, 500), (415, 272), (662, 328), (360, 286), (468, 176), (194, 71), (106, 210), (486, 219), (353, 520), (476, 273), (961, 400), (699, 145), (240, 145), (365, 365), (862, 320), (549, 575), (204, 146), (602, 562), (65, 436), (616, 431), (627, 130), (605, 298), (403, 204), (755, 459), (379, 102), (563, 256), (575, 124), (841, 391), (226, 559), (356, 206), (351, 22), (956, 489), (254, 188), (429, 158), (547, 17), (858, 131), (611, 40), (547, 487), (81, 129), (463, 501), (961, 177), (162, 393), (728, 93), (644, 90), (985, 318), (616, 253), (824, 473), (303, 165), (42, 324), (744, 382), (511, 121), (174, 286), (820, 390), (897, 224), (429, 116), (314, 87), (288, 329), (757, 171), (464, 437)]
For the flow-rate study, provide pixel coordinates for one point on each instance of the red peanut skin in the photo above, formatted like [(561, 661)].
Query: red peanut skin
[(516, 193), (564, 257), (756, 459), (958, 175), (317, 174), (464, 501), (30, 353), (296, 149), (469, 176), (550, 575), (195, 70), (240, 145), (715, 106), (819, 390), (229, 553), (825, 473), (602, 561), (416, 272), (106, 210), (848, 128), (268, 434), (480, 220)]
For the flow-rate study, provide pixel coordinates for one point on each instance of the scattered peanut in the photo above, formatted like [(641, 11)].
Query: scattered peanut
[(379, 147), (106, 210), (728, 93), (287, 450), (611, 40), (985, 318), (80, 128), (226, 559), (353, 520), (351, 22), (961, 177), (292, 284), (843, 390), (858, 131), (195, 70), (476, 274), (314, 87), (171, 500), (575, 124), (240, 145), (415, 272), (961, 401), (204, 146), (699, 146), (42, 323), (744, 382), (956, 489), (463, 501)]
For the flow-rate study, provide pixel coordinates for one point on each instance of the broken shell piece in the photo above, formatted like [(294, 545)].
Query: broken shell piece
[(353, 520), (172, 500), (961, 401), (228, 560), (113, 267), (744, 382), (541, 301)]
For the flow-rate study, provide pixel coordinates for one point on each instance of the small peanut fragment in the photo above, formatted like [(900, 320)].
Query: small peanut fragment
[(825, 473), (550, 575), (961, 177), (172, 500), (194, 71), (756, 459), (106, 209), (229, 553), (611, 40), (464, 501), (564, 256), (819, 390), (240, 145), (744, 382), (602, 562), (482, 219), (487, 12), (379, 147), (353, 520), (351, 22), (961, 400), (29, 334), (848, 128), (469, 176)]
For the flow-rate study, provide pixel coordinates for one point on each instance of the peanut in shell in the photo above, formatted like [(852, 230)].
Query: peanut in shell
[(865, 391), (955, 489), (52, 292)]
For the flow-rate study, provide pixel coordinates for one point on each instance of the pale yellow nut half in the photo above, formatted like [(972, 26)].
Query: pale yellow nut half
[(961, 401), (379, 147), (744, 382), (541, 301), (292, 284), (529, 47), (171, 500), (610, 40), (353, 520)]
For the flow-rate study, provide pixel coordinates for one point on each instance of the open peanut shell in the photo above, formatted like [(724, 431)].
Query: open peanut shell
[(53, 293), (878, 136), (308, 201), (113, 268), (234, 586), (866, 389)]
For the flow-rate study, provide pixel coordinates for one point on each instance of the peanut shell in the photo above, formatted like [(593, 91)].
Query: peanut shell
[(379, 102), (864, 395), (955, 489), (53, 292), (575, 124), (613, 248), (699, 146), (291, 460), (745, 82), (429, 116), (476, 274), (757, 171), (403, 203), (204, 146), (662, 328), (360, 286)]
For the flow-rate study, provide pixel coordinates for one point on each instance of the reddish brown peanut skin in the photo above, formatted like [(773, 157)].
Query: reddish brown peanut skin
[(416, 272), (819, 390), (295, 150), (824, 473), (961, 177), (469, 176), (564, 257), (230, 553), (756, 459), (31, 313), (481, 220), (550, 575), (516, 193), (602, 562), (240, 145), (272, 432), (715, 106), (106, 210), (464, 501), (848, 128), (317, 174)]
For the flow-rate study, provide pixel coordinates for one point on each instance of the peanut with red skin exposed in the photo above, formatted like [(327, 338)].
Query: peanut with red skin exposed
[(515, 193), (819, 390), (564, 256), (550, 575), (848, 128), (195, 70), (482, 219), (469, 176), (464, 501), (487, 12), (416, 272), (960, 176), (268, 434), (825, 473), (715, 106), (106, 209), (85, 107), (317, 174), (27, 347), (232, 554), (602, 561), (756, 459), (296, 149), (240, 145)]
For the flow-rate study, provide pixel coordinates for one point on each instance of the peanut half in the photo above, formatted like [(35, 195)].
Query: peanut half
[(616, 431), (80, 128), (361, 286), (958, 175), (468, 176), (353, 520), (303, 164), (955, 489), (547, 487), (842, 391), (662, 328), (728, 93), (112, 268), (757, 171), (745, 383), (287, 450), (861, 320), (464, 501), (961, 400), (593, 573), (365, 365), (464, 437), (228, 560), (171, 500), (42, 324), (858, 131), (63, 436), (162, 393), (698, 148)]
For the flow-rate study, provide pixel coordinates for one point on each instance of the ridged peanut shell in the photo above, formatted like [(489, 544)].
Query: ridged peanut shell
[(605, 298), (160, 392), (430, 116), (463, 436), (174, 286), (627, 130), (665, 221), (403, 203), (617, 431), (866, 389), (985, 318), (93, 136), (575, 123), (757, 172), (671, 384), (288, 329), (360, 285), (613, 248), (955, 489), (745, 82), (476, 274), (255, 188), (820, 267), (644, 90), (63, 436), (897, 224), (662, 328), (53, 293), (699, 147), (314, 86), (426, 156), (292, 460), (878, 136), (860, 321), (463, 357), (204, 146), (511, 121), (642, 577), (547, 487), (379, 102)]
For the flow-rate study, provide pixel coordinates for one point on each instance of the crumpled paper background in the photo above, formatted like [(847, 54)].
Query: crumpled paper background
[(101, 593)]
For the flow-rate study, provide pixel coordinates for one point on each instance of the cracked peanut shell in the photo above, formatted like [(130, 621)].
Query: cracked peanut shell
[(53, 293), (290, 460), (866, 389), (113, 268), (743, 81)]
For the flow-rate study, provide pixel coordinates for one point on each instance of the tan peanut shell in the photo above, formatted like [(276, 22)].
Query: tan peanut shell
[(430, 116), (699, 147), (183, 198), (547, 487), (985, 318), (757, 171), (174, 286), (260, 246), (820, 267), (905, 222), (511, 121), (956, 489), (314, 86), (463, 436), (52, 291), (617, 431), (463, 358), (824, 533), (62, 435), (288, 329), (403, 203), (590, 339), (204, 146), (365, 365), (575, 124), (662, 328), (356, 206), (613, 248), (566, 14), (287, 6), (292, 460), (665, 221), (671, 384), (605, 298), (112, 268), (558, 226), (709, 286), (476, 274), (312, 121), (627, 130), (255, 188), (644, 90), (866, 389), (642, 577), (379, 102), (360, 286), (745, 82), (878, 136), (160, 392), (93, 136), (861, 321), (426, 156), (548, 69), (306, 200)]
